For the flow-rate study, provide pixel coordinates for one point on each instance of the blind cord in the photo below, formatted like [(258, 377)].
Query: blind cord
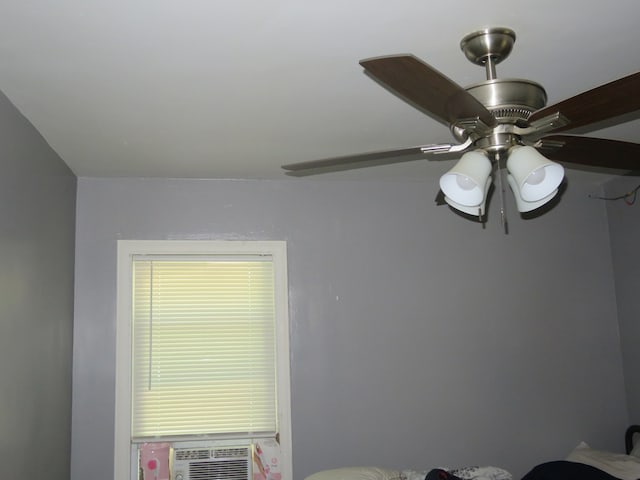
[(150, 324)]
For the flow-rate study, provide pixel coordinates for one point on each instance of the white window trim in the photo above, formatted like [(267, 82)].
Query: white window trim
[(126, 250)]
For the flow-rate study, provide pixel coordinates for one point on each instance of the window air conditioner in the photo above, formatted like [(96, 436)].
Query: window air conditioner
[(232, 462)]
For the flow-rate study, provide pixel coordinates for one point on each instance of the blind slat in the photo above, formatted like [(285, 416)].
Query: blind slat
[(203, 347)]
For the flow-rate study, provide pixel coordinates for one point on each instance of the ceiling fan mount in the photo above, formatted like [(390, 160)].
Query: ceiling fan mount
[(489, 46)]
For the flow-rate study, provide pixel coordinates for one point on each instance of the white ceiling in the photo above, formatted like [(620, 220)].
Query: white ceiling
[(236, 88)]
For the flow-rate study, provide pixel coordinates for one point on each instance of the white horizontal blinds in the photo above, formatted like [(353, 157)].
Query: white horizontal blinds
[(203, 347)]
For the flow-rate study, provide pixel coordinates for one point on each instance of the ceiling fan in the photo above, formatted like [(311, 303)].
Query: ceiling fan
[(499, 122)]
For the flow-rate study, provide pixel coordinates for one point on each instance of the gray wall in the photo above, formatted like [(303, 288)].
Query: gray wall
[(625, 238), (37, 233), (418, 338)]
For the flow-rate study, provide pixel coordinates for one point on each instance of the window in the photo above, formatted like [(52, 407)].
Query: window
[(202, 345)]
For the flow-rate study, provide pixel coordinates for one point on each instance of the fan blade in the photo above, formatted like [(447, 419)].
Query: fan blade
[(595, 152), (427, 89), (349, 162), (601, 103)]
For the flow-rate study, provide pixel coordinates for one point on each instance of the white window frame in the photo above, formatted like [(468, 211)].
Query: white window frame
[(127, 249)]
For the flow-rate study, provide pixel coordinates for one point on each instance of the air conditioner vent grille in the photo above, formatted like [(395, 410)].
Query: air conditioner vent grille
[(193, 454), (231, 461), (219, 470), (230, 452)]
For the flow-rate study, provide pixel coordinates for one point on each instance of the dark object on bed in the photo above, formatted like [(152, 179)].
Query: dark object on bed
[(565, 470), (628, 437), (440, 474)]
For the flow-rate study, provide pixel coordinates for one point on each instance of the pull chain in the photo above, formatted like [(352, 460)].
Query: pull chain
[(503, 216)]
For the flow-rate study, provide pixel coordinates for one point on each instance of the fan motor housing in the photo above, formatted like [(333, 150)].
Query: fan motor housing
[(509, 100)]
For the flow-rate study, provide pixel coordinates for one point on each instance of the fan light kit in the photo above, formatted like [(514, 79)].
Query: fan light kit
[(498, 122)]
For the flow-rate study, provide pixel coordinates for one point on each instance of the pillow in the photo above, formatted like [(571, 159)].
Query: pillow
[(619, 465), (356, 473), (636, 451)]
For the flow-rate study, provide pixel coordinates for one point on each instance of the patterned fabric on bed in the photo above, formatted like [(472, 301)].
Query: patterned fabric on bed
[(466, 473)]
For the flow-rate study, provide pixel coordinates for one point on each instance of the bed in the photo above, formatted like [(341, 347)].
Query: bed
[(583, 463), (377, 473)]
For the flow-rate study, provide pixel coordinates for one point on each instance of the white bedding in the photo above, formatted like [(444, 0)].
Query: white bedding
[(377, 473), (466, 473)]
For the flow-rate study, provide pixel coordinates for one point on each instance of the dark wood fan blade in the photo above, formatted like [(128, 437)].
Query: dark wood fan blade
[(350, 162), (599, 104), (426, 89), (595, 152)]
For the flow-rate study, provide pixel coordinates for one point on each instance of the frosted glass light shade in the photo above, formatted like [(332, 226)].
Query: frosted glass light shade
[(465, 184), (535, 176), (522, 205), (475, 210)]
